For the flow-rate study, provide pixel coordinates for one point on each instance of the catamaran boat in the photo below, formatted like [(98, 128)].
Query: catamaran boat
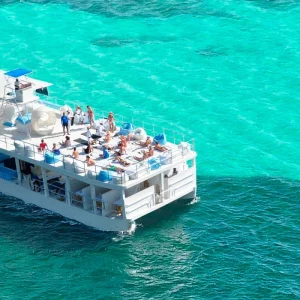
[(117, 185)]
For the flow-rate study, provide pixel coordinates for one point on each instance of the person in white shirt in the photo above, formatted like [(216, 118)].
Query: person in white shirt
[(100, 130), (89, 134), (71, 119), (78, 115)]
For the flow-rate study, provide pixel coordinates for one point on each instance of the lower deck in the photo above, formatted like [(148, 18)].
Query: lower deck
[(99, 207)]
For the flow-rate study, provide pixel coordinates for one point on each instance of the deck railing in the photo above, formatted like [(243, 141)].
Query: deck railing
[(175, 136), (78, 166)]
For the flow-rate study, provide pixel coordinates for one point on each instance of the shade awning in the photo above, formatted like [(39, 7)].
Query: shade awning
[(18, 73)]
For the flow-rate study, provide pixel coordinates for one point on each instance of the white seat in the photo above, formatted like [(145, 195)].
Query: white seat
[(19, 146)]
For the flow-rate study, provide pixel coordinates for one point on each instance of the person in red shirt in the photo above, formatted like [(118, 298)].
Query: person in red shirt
[(43, 146)]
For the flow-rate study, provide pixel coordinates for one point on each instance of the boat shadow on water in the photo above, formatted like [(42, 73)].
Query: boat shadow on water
[(257, 197)]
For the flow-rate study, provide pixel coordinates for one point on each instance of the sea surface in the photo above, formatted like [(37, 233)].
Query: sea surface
[(223, 72)]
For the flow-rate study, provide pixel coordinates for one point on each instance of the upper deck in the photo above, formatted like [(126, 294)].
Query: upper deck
[(11, 139), (21, 142)]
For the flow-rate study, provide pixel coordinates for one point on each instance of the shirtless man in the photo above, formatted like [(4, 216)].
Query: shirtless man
[(107, 138), (75, 153), (89, 161), (160, 148), (145, 154), (146, 143), (122, 161)]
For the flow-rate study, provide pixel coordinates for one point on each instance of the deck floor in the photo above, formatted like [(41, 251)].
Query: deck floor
[(79, 140)]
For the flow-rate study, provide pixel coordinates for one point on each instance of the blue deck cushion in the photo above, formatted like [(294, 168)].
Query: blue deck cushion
[(126, 128), (26, 119), (9, 124), (105, 176), (154, 163), (51, 158), (160, 138)]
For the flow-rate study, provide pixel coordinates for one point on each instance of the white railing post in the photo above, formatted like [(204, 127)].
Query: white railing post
[(18, 170), (123, 199), (67, 190), (162, 179), (45, 183), (93, 196)]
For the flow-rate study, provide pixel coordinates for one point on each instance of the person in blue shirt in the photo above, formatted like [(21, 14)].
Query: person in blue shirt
[(65, 123)]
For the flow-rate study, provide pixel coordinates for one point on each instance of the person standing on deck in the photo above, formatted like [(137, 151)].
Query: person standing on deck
[(65, 123), (71, 119), (111, 122), (17, 84), (91, 115)]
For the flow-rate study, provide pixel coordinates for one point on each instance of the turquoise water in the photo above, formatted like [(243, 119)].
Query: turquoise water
[(224, 72)]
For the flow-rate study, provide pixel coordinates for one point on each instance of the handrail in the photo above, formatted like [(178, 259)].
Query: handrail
[(140, 167), (150, 127)]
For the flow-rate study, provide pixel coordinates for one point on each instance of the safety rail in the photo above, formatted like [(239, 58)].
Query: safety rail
[(78, 166), (173, 135)]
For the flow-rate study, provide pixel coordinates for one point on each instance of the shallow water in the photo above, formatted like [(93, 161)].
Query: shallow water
[(226, 73)]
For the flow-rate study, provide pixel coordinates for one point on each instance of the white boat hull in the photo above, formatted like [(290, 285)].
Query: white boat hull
[(68, 211)]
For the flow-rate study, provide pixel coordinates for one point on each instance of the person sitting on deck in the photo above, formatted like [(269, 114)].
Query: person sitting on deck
[(122, 161), (89, 134), (67, 142), (43, 146), (160, 148), (100, 130), (89, 161), (145, 154), (146, 143), (121, 148), (75, 153), (108, 147), (89, 148), (105, 154), (123, 141), (107, 138), (55, 151)]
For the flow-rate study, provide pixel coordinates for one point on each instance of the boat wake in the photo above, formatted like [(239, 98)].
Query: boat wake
[(194, 201)]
